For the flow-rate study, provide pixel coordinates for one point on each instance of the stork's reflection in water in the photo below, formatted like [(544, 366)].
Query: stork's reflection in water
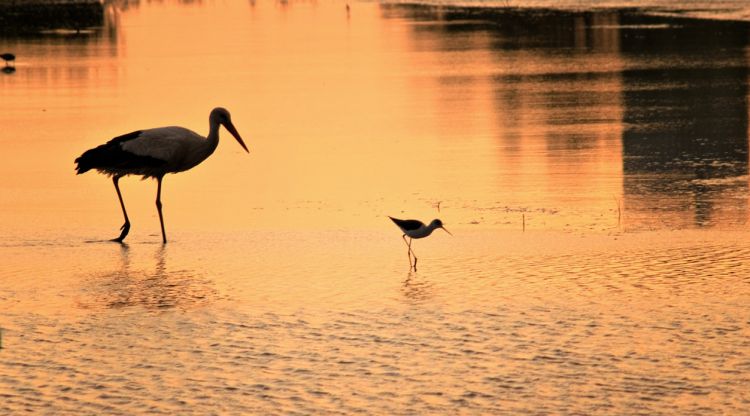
[(146, 280)]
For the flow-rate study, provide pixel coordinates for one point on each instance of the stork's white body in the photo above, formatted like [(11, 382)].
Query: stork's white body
[(153, 153), (180, 149)]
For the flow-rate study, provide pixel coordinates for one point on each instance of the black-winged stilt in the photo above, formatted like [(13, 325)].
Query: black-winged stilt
[(153, 153), (416, 229)]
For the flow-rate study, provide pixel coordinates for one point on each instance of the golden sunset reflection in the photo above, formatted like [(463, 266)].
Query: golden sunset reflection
[(352, 118), (592, 167)]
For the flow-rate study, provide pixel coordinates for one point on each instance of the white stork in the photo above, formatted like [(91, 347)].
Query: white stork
[(416, 229), (153, 153)]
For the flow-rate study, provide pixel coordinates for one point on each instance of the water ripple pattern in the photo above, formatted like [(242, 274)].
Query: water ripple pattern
[(524, 324)]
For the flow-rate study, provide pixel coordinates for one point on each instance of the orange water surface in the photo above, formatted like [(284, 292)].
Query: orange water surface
[(592, 167)]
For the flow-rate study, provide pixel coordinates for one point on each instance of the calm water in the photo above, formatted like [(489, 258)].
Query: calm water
[(618, 140)]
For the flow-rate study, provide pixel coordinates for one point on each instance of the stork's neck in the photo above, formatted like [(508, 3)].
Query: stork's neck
[(212, 140)]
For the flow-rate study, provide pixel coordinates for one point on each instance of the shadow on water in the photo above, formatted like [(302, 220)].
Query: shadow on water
[(665, 97), (148, 283)]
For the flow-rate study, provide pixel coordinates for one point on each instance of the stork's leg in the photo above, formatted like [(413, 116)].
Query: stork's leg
[(158, 207), (125, 227)]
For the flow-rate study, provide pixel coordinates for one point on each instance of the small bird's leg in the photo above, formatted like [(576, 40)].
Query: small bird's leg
[(158, 207), (408, 252), (413, 254), (125, 227)]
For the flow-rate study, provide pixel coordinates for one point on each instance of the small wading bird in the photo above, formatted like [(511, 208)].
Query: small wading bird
[(416, 229), (8, 58), (153, 153)]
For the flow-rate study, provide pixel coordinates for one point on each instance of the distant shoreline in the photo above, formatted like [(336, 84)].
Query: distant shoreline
[(717, 14), (30, 16)]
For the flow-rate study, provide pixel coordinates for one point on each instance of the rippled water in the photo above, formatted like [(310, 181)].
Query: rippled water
[(495, 323), (616, 140)]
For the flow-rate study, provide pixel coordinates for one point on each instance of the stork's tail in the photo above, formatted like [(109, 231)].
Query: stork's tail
[(86, 161), (110, 156), (81, 166)]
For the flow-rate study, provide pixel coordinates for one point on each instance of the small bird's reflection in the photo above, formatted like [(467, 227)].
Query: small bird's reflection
[(9, 70), (416, 288)]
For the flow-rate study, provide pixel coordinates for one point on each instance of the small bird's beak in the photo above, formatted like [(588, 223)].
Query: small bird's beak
[(236, 135), (446, 230)]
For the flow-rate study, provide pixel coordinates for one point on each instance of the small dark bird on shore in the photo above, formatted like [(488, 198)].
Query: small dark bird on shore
[(8, 58), (416, 229)]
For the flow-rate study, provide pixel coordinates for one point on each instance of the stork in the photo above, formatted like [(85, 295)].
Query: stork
[(153, 153), (416, 229)]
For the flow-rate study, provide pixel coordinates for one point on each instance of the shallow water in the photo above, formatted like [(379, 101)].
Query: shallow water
[(498, 322), (618, 141)]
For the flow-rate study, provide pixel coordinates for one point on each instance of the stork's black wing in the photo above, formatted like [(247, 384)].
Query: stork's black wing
[(111, 155)]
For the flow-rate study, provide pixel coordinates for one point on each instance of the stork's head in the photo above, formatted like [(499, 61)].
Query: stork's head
[(436, 223), (220, 116)]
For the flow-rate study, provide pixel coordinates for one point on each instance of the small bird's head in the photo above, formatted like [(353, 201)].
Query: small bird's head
[(436, 223), (220, 115)]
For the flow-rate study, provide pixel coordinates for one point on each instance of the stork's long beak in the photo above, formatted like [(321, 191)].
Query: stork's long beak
[(236, 135), (446, 230)]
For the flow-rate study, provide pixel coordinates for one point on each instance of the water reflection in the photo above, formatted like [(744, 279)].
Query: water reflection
[(147, 283), (67, 52), (416, 288), (659, 102), (685, 140), (32, 17), (556, 114)]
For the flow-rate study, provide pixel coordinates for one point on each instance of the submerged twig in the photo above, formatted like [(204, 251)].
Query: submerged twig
[(619, 212)]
